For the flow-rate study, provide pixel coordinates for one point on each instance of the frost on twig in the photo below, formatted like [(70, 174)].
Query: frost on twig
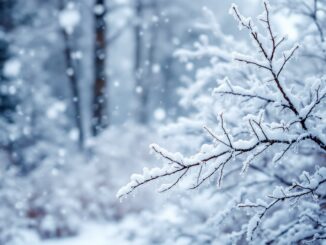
[(284, 116), (309, 187)]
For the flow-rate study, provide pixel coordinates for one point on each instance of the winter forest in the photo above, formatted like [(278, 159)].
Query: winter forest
[(162, 122)]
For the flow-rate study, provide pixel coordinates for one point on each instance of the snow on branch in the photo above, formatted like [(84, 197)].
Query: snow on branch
[(267, 55), (228, 149), (309, 187), (269, 119)]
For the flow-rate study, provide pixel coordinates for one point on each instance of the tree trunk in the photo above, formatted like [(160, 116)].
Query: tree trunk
[(99, 107), (141, 88), (8, 102), (71, 72)]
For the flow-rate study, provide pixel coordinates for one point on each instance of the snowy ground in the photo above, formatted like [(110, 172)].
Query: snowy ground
[(91, 234), (134, 229)]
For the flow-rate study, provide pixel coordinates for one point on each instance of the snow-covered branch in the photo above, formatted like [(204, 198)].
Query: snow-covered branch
[(295, 192), (267, 118)]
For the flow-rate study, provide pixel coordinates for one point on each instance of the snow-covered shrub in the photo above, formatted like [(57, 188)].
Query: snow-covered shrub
[(266, 121), (68, 188)]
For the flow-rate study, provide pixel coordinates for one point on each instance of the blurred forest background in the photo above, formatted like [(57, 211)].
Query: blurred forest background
[(85, 86)]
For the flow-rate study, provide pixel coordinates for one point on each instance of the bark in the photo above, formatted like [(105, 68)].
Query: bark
[(99, 107), (140, 79), (6, 17), (71, 72), (7, 102)]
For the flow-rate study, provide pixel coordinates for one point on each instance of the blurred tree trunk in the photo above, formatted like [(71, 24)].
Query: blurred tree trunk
[(6, 16), (99, 106), (153, 42), (141, 88), (8, 102), (71, 72), (168, 74)]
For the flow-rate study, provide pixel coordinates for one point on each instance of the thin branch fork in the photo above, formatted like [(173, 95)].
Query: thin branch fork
[(253, 33), (225, 133), (274, 74), (250, 62), (175, 182), (220, 167), (168, 158), (268, 58), (286, 59), (280, 199), (306, 191), (318, 224), (210, 132), (274, 46), (260, 127), (316, 103), (251, 96)]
